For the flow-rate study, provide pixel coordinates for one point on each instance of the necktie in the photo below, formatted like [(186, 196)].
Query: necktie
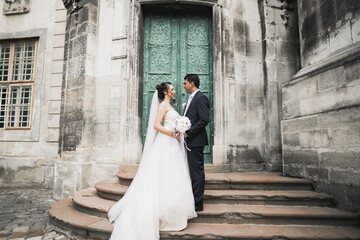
[(188, 104)]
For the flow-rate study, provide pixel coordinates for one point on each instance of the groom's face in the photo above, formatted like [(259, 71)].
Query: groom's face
[(188, 86)]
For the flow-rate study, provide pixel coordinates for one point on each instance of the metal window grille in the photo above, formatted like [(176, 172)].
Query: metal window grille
[(17, 78)]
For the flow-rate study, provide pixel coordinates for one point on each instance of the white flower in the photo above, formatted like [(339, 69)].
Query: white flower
[(182, 124), (183, 105)]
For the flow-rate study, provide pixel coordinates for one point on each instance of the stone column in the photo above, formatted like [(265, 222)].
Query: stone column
[(73, 168), (280, 63)]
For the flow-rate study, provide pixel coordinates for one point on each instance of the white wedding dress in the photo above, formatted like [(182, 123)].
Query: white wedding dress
[(160, 197)]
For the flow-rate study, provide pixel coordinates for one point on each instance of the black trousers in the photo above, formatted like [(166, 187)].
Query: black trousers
[(196, 166)]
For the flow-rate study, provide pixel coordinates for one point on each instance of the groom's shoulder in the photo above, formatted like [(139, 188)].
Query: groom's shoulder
[(203, 97), (202, 94)]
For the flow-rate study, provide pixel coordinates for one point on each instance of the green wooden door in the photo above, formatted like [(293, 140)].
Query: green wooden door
[(176, 44)]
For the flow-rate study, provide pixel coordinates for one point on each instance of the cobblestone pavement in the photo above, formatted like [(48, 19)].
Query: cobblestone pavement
[(24, 214)]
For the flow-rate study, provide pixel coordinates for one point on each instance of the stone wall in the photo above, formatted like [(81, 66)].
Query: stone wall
[(326, 27), (321, 127), (27, 157), (260, 52), (280, 63)]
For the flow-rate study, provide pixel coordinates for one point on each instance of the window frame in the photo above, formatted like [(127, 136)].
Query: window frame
[(10, 83)]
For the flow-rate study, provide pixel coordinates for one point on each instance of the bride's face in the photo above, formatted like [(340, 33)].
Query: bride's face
[(171, 92)]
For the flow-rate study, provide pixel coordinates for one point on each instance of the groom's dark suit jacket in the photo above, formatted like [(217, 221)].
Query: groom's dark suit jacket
[(198, 114)]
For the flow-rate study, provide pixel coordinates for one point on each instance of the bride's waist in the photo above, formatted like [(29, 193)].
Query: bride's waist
[(169, 127)]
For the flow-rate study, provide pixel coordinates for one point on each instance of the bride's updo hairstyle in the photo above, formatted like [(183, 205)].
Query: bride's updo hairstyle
[(162, 87)]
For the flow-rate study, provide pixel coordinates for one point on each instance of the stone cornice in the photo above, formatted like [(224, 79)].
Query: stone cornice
[(344, 56)]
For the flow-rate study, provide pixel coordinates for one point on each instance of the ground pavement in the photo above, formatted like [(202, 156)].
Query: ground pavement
[(24, 215)]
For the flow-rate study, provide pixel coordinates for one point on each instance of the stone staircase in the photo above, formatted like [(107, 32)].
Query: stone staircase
[(236, 206)]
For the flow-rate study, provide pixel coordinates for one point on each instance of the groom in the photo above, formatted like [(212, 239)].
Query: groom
[(197, 110)]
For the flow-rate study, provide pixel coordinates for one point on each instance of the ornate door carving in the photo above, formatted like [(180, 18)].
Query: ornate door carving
[(176, 44)]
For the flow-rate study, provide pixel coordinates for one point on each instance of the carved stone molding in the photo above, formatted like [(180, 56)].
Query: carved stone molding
[(16, 7), (67, 3)]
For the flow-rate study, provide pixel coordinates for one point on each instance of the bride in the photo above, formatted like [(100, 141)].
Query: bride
[(160, 197)]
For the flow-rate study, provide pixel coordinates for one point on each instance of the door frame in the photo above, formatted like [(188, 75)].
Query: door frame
[(134, 83)]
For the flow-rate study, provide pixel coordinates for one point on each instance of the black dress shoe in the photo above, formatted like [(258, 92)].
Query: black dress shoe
[(199, 209)]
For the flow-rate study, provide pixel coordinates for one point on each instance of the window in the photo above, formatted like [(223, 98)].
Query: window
[(17, 78)]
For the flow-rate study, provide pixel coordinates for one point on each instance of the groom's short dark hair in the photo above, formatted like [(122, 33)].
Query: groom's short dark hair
[(193, 78)]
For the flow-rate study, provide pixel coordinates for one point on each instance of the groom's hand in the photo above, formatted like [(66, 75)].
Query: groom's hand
[(185, 135)]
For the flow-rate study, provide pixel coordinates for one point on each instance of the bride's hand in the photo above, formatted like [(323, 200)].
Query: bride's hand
[(177, 135)]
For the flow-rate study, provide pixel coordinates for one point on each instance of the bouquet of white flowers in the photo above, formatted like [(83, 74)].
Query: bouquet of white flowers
[(182, 124)]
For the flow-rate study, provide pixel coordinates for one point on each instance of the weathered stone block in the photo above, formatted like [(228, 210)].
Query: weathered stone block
[(291, 108), (317, 174), (56, 80), (80, 46), (293, 156), (60, 27), (355, 29), (352, 71), (58, 186), (58, 53), (54, 107), (291, 139), (352, 197), (53, 135), (345, 138), (340, 37), (347, 177), (59, 40), (30, 175), (294, 170), (286, 52), (340, 119), (86, 28), (74, 67), (334, 189), (253, 31), (299, 124), (93, 12), (314, 139), (344, 160), (239, 36), (60, 15), (331, 79), (254, 103), (73, 33), (241, 155), (69, 143), (55, 93), (253, 49), (319, 103), (57, 66), (74, 86), (101, 134)]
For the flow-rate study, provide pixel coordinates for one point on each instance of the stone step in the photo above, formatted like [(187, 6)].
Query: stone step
[(63, 215), (88, 202), (241, 181), (209, 168), (263, 232), (115, 191)]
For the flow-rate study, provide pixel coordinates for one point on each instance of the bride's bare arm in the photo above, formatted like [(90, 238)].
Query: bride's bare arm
[(159, 116)]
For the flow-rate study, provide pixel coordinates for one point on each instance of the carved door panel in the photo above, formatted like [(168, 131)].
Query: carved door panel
[(174, 45)]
